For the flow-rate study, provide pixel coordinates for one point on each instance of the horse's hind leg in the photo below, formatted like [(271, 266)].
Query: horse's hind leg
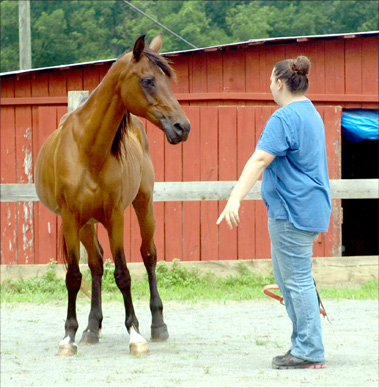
[(143, 205), (67, 346), (95, 252)]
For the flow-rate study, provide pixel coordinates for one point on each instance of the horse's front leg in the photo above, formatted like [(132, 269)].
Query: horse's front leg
[(115, 228), (67, 346), (91, 334), (143, 205)]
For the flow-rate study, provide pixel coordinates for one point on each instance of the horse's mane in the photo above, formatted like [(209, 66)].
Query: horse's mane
[(160, 62), (118, 141), (155, 59)]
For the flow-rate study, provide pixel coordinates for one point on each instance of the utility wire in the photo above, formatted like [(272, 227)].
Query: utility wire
[(160, 24)]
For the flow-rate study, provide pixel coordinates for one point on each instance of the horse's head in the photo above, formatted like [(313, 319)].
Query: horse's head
[(145, 86)]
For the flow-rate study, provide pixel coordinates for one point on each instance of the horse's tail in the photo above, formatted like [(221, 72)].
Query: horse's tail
[(62, 254)]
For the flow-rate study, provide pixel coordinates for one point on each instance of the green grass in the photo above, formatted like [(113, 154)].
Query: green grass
[(176, 283)]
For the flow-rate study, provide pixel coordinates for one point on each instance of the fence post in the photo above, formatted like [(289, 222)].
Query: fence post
[(74, 99)]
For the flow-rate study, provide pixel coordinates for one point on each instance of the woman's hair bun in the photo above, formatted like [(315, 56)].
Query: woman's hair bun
[(301, 65)]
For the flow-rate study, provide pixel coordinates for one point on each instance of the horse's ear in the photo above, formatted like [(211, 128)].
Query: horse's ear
[(138, 48), (156, 43)]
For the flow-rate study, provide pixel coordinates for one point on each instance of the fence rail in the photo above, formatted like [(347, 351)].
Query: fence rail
[(209, 191)]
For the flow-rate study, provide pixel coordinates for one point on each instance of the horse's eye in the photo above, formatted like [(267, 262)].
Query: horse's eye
[(148, 83)]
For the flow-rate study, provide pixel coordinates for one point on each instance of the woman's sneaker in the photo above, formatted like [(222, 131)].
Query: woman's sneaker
[(278, 358), (288, 361)]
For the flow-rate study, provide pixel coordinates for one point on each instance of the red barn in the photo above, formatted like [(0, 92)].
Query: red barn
[(225, 93)]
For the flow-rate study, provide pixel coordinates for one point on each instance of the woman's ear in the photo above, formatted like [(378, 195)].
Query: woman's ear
[(280, 84)]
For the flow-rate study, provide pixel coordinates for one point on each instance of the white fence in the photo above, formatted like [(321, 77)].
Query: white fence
[(209, 191)]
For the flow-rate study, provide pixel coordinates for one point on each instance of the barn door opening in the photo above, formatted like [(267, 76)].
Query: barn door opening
[(359, 161)]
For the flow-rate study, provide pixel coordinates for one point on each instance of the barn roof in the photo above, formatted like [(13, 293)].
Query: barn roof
[(238, 45)]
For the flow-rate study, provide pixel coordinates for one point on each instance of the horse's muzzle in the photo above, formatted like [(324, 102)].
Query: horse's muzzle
[(177, 132)]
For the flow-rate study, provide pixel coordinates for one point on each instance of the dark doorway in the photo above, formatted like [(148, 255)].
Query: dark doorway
[(360, 216)]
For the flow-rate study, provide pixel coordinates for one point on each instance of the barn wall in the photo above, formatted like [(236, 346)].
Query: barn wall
[(225, 93)]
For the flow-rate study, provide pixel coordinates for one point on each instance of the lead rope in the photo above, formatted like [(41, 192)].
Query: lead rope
[(322, 308), (281, 300)]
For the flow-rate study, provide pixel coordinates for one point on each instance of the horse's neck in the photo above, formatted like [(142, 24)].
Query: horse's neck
[(99, 120)]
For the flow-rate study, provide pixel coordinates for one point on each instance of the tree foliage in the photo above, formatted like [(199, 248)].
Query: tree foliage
[(69, 31)]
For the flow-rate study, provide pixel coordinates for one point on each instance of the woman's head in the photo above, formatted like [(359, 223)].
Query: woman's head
[(294, 73)]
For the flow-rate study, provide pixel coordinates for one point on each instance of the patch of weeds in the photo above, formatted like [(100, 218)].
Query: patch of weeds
[(278, 344), (177, 275), (108, 379), (176, 282), (261, 341), (368, 290), (248, 277), (35, 289)]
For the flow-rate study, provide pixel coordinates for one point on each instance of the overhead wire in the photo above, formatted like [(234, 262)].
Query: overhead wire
[(160, 24)]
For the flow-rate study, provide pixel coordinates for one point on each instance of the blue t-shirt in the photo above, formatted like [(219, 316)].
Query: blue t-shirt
[(295, 186)]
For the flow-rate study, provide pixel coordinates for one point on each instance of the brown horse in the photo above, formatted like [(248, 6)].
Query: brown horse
[(94, 166)]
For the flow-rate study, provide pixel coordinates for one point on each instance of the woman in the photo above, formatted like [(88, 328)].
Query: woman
[(295, 188)]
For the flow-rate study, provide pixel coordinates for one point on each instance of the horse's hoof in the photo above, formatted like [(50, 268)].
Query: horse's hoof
[(89, 338), (159, 334), (67, 350), (137, 344), (139, 348)]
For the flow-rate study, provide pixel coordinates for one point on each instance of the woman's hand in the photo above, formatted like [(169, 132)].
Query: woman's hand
[(230, 213), (251, 172)]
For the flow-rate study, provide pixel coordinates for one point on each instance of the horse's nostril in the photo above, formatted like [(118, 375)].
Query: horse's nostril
[(178, 127), (182, 128)]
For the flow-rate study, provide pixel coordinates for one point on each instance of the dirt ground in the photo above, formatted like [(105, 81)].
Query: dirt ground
[(211, 345)]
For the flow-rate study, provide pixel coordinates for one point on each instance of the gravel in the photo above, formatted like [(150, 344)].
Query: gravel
[(211, 344)]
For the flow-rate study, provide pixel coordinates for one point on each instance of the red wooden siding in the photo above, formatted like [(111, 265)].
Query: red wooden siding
[(184, 230), (209, 172), (225, 93)]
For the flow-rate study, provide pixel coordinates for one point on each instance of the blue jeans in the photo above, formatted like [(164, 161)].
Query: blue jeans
[(291, 252)]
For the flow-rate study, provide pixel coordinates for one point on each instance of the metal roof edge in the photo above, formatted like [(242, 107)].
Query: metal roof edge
[(276, 39), (204, 49), (59, 67)]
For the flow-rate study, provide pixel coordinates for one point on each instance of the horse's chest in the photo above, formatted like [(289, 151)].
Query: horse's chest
[(94, 193), (114, 187)]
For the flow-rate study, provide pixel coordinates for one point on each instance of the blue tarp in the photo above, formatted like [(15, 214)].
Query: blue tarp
[(360, 124)]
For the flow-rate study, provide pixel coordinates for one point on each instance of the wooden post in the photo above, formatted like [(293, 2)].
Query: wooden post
[(25, 41), (74, 99)]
